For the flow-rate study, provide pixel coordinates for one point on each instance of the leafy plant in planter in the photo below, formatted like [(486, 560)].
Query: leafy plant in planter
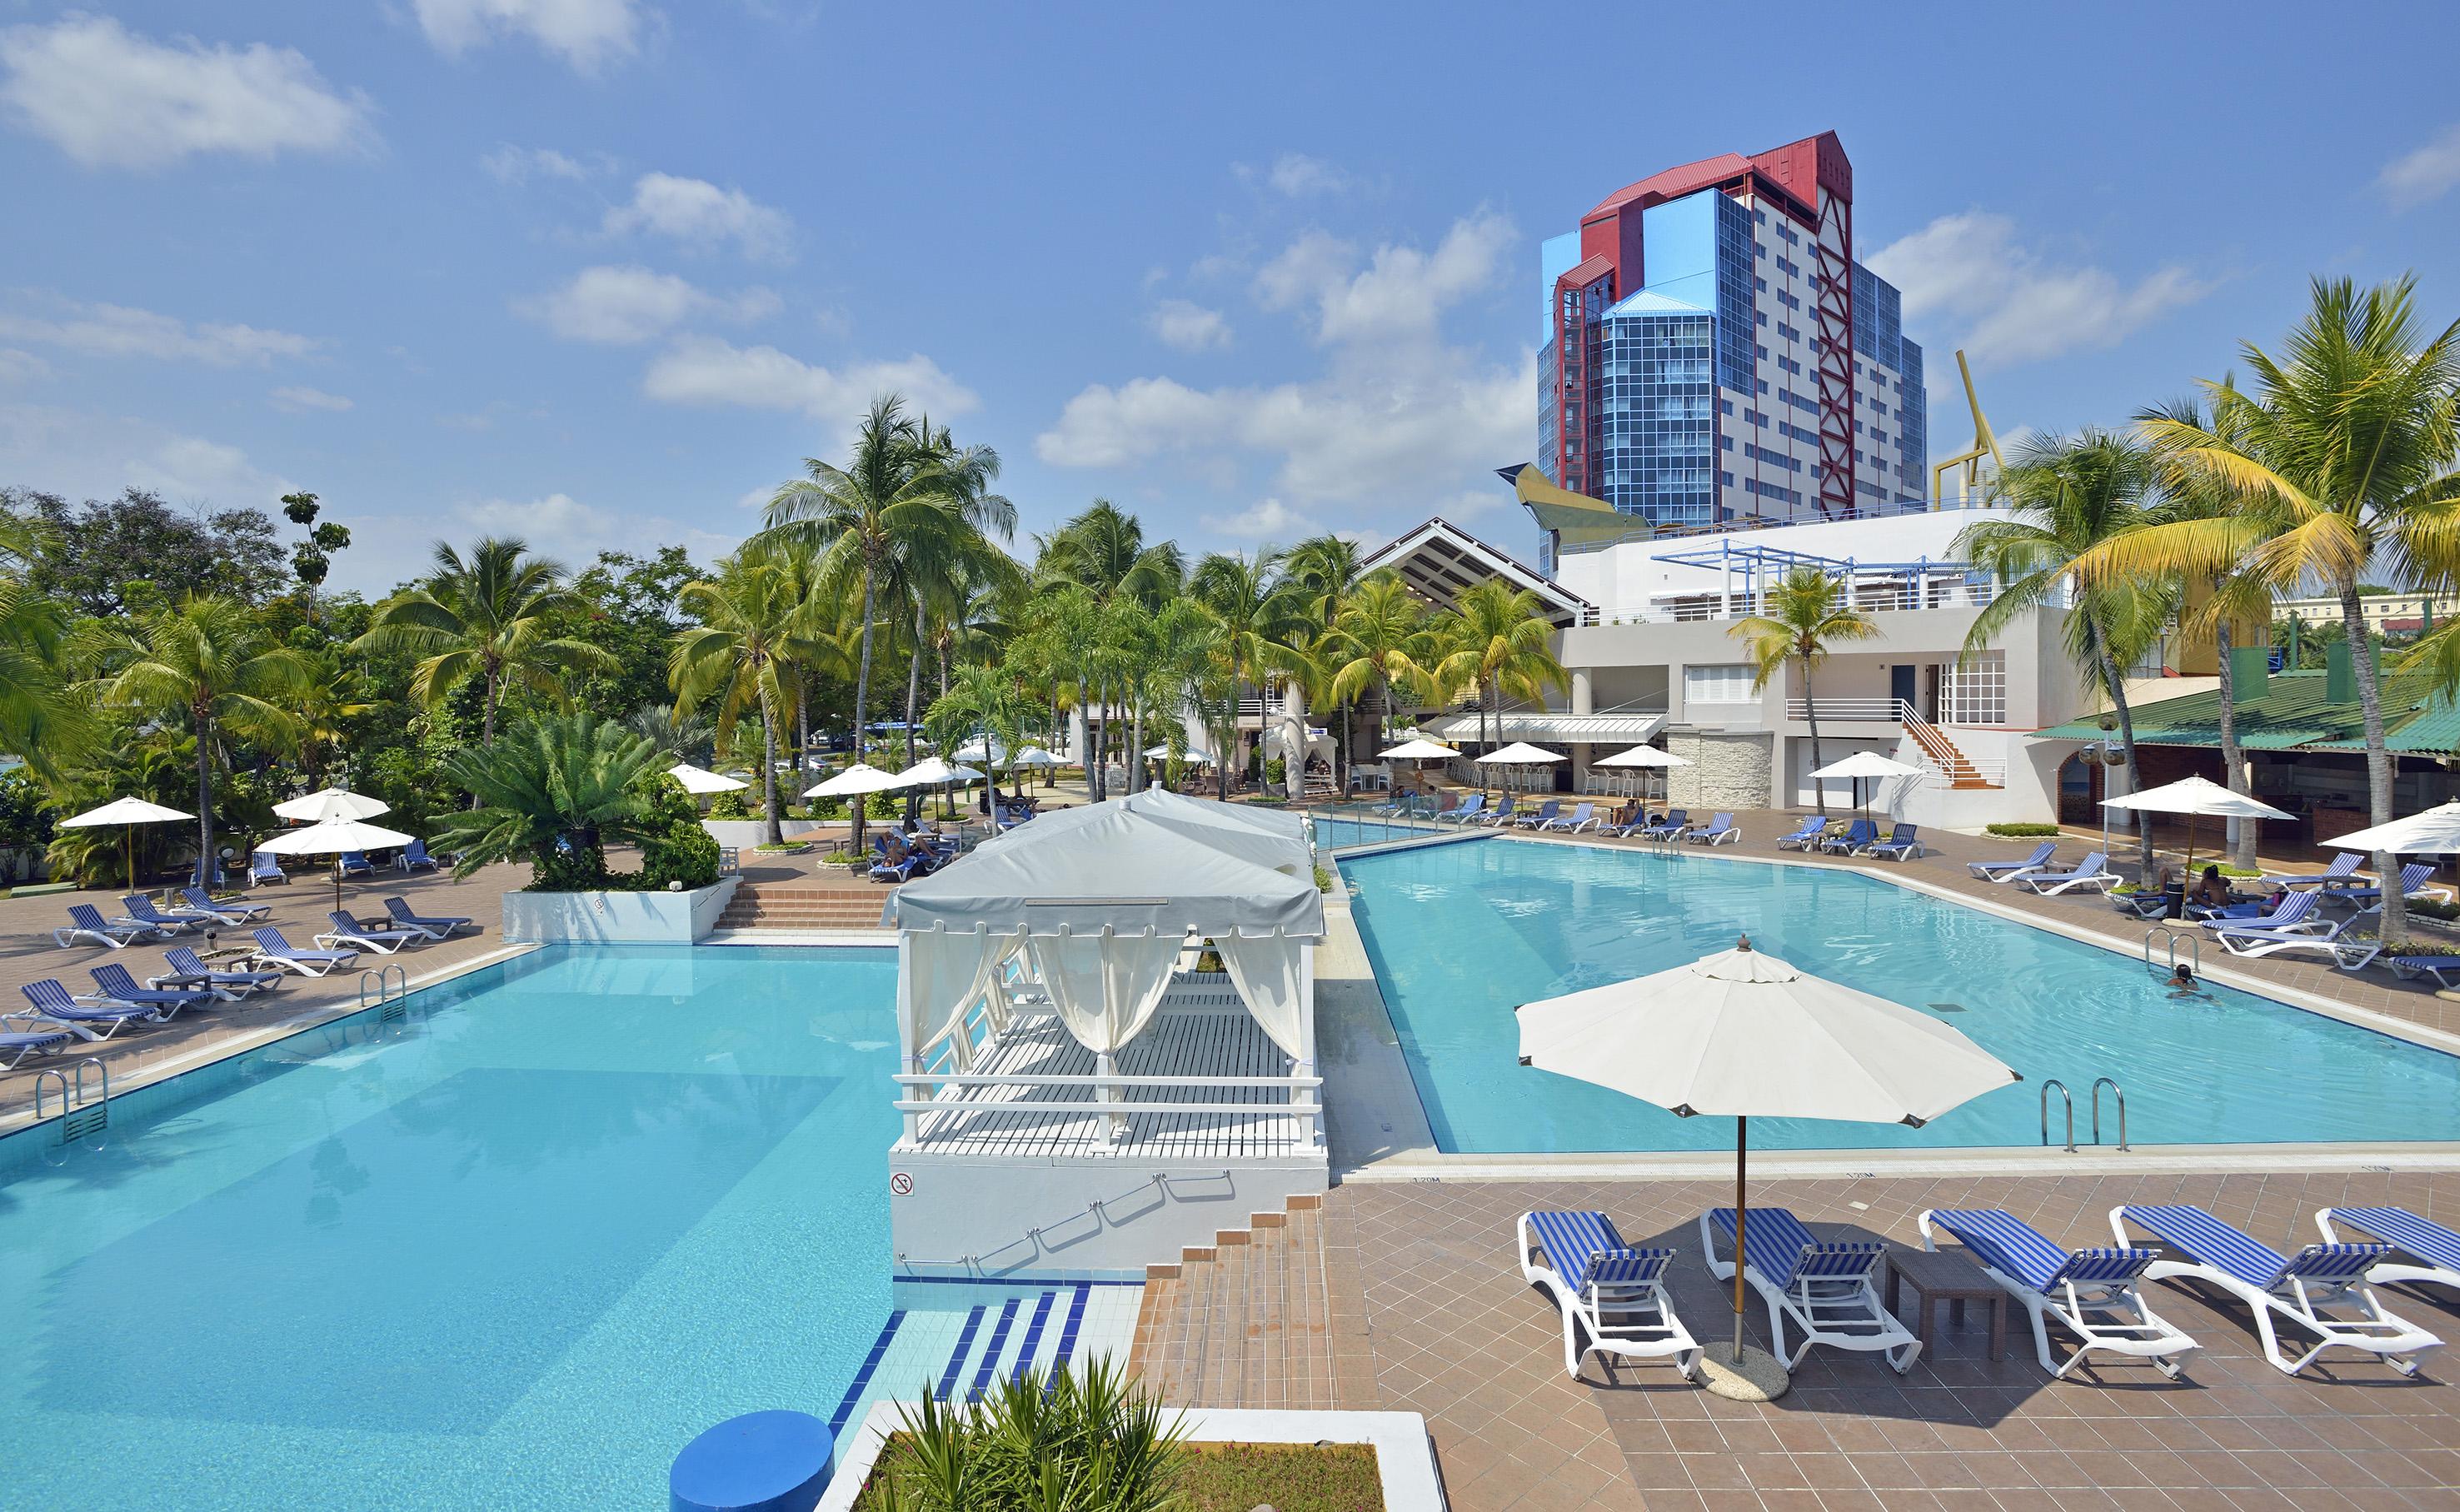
[(552, 794), (2012, 831), (673, 846), (728, 806), (1080, 1440)]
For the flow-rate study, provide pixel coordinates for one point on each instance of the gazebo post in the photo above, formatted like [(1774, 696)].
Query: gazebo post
[(1742, 1202)]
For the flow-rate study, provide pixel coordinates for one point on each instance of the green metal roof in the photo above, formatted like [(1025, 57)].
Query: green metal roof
[(2291, 714)]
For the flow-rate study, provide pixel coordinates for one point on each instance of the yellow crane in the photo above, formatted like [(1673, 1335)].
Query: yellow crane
[(1984, 444)]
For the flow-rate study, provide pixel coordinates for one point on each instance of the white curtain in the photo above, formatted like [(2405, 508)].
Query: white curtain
[(1265, 971), (1106, 986), (946, 973)]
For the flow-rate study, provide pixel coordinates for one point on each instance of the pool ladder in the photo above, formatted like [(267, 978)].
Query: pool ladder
[(2117, 1094), (389, 985), (80, 1118), (2168, 966)]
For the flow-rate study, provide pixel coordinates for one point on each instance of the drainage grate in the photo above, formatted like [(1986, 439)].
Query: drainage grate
[(1946, 1007)]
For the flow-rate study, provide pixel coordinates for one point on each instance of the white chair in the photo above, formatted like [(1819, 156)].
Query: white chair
[(2092, 1293), (1603, 1286), (1826, 1288)]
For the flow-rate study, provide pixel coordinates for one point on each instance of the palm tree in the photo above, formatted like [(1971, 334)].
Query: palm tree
[(42, 720), (491, 616), (2340, 453), (1102, 552), (321, 706), (1326, 569), (1256, 609), (553, 794), (2068, 497), (895, 494), (1382, 642), (208, 665), (1501, 642), (1798, 620), (754, 624), (981, 701)]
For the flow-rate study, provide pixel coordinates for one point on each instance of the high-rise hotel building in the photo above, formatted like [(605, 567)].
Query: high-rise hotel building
[(1714, 356)]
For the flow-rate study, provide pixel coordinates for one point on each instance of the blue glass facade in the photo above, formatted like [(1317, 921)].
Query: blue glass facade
[(1657, 426)]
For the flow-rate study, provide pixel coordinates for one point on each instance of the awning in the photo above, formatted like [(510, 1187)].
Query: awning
[(1562, 728), (1440, 561)]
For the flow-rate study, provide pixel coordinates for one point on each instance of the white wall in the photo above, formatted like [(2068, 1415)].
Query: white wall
[(1626, 580), (615, 918), (1023, 1216)]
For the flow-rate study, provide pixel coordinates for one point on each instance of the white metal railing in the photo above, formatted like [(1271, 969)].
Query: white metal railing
[(1877, 596), (1309, 1109), (1891, 711), (1993, 772)]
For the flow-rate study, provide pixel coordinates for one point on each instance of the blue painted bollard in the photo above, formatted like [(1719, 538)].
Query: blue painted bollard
[(773, 1462)]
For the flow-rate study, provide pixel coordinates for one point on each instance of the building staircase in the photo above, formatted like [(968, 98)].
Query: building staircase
[(1952, 763), (804, 906)]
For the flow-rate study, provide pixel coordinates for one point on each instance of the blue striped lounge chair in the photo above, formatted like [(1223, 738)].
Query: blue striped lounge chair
[(2337, 938), (114, 984), (356, 864), (2095, 872), (2283, 912), (86, 922), (1503, 813), (1541, 816), (1583, 815), (2419, 1239), (52, 1001), (1673, 825), (22, 1035), (2092, 1292), (414, 858), (274, 951), (226, 911), (349, 933), (2323, 1289), (1902, 842), (435, 926), (1468, 808), (2440, 968), (2014, 870), (2341, 872), (187, 969), (1605, 1289), (1827, 1288), (1859, 832), (265, 869), (2412, 884), (140, 908), (1806, 837), (1719, 829)]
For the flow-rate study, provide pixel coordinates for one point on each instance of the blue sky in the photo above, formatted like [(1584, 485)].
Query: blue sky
[(602, 272)]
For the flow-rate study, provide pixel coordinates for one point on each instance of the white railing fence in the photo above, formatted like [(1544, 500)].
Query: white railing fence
[(1891, 711)]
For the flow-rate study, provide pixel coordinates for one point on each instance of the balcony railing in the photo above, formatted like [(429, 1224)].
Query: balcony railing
[(1878, 710)]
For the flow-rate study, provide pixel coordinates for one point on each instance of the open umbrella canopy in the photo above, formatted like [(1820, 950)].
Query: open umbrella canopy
[(1867, 763), (1035, 756), (1518, 752), (1161, 752), (2435, 832), (331, 838), (124, 811), (1417, 751), (2194, 795), (700, 780), (1642, 755), (860, 778), (1746, 1035), (332, 802), (932, 771)]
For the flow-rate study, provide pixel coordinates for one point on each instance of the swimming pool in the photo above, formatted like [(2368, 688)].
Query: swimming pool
[(1353, 829), (1459, 935), (585, 1205)]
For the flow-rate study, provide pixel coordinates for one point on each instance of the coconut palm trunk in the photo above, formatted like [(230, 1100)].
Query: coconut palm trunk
[(1811, 717), (769, 807), (2232, 759), (204, 715), (2118, 706), (862, 698), (913, 701), (2392, 928)]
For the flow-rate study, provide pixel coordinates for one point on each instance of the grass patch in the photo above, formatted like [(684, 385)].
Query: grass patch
[(1287, 1477)]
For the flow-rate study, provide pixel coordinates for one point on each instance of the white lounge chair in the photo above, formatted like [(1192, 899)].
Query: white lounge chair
[(2332, 937), (1825, 1287), (2322, 1288), (2094, 873), (2014, 870), (2092, 1293), (1614, 1292), (2417, 1238)]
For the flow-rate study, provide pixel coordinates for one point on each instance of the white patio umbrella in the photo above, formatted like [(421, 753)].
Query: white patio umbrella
[(1193, 758), (1418, 751), (700, 781), (1743, 1034), (1865, 764), (1520, 752), (128, 812), (331, 838), (1642, 755), (2193, 796), (1034, 756), (932, 771), (2434, 832), (332, 802), (857, 780)]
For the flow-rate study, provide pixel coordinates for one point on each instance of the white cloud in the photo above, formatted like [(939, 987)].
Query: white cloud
[(1296, 174), (586, 34), (699, 214), (22, 367), (618, 305), (2014, 307), (111, 98), (88, 456), (1189, 326), (562, 526), (1264, 519), (704, 371), (519, 166), (1398, 416), (119, 331), (2425, 173), (299, 400)]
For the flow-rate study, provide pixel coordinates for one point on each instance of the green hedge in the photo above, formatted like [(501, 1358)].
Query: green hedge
[(2023, 831)]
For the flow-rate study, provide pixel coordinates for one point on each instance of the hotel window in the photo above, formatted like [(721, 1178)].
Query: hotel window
[(1974, 691), (1719, 683)]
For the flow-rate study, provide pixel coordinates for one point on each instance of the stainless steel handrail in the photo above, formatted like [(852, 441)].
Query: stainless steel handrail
[(2063, 1097), (2115, 1091)]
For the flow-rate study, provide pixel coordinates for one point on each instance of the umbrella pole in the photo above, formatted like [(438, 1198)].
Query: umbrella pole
[(1742, 1164)]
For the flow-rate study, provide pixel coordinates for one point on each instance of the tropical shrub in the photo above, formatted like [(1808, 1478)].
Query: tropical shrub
[(2023, 831), (553, 794), (674, 847), (1081, 1439), (729, 805)]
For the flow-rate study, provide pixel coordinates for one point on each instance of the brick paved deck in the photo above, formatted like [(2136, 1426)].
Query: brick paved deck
[(1407, 1297)]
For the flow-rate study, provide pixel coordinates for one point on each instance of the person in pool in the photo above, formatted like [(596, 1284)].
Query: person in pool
[(2182, 981)]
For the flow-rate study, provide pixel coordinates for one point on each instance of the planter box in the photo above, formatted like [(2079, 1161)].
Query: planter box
[(742, 834), (615, 918)]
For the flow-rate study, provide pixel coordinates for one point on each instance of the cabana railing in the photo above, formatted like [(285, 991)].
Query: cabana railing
[(1303, 1104)]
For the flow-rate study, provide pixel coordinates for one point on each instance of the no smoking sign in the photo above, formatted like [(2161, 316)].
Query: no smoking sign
[(900, 1183)]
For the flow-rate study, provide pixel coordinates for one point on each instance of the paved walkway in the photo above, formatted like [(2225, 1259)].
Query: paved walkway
[(1409, 1297)]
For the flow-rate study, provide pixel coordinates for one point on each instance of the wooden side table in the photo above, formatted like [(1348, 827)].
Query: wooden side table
[(1937, 1277)]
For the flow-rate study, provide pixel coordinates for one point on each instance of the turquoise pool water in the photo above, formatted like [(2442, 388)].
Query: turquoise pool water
[(513, 1253), (1459, 935), (1348, 831)]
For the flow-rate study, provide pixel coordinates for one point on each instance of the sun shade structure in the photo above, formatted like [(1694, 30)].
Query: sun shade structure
[(1518, 752), (1161, 752), (858, 778), (128, 812), (1642, 755), (334, 836), (1034, 756), (1865, 764), (700, 781), (332, 802), (932, 771), (2194, 797), (2435, 832), (1744, 1034), (1418, 751)]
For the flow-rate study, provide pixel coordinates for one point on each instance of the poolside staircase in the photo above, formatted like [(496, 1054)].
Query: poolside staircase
[(1953, 765), (804, 906), (1246, 1321)]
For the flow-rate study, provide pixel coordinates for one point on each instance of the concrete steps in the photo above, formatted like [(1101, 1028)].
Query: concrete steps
[(790, 906), (1242, 1322)]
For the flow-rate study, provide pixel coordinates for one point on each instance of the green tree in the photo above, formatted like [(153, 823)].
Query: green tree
[(312, 560), (1324, 571), (2068, 497), (1500, 641), (1800, 620), (1257, 610), (205, 666), (489, 619), (42, 721), (756, 621), (984, 702), (136, 551), (1103, 555), (554, 792), (1382, 643)]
